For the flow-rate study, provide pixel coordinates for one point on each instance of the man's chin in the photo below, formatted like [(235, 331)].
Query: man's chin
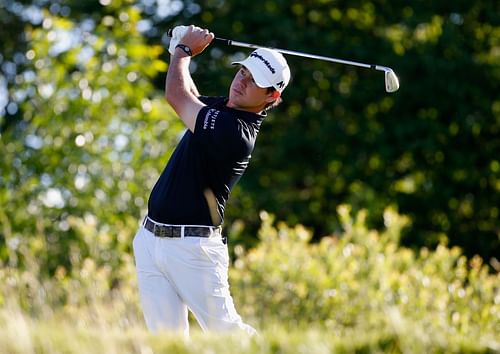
[(231, 103), (235, 99)]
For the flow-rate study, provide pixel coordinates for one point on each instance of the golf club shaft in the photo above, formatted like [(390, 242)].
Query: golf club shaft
[(300, 54), (230, 42)]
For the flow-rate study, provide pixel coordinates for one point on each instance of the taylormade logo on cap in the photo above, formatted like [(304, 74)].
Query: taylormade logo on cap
[(268, 68), (258, 56)]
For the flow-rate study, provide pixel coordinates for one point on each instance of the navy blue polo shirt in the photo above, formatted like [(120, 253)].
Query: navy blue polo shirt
[(212, 159)]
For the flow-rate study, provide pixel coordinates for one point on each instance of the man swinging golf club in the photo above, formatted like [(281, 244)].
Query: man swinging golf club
[(181, 256)]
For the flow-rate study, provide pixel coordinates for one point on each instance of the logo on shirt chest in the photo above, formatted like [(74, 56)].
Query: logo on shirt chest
[(210, 119)]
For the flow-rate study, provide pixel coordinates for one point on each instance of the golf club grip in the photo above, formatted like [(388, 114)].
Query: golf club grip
[(220, 40), (223, 40)]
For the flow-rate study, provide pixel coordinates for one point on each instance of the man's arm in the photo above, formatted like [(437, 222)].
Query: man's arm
[(180, 90), (193, 88)]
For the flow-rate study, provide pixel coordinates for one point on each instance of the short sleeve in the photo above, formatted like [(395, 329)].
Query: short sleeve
[(211, 100), (219, 133)]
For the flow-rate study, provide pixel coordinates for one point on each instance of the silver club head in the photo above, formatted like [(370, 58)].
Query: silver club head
[(391, 80)]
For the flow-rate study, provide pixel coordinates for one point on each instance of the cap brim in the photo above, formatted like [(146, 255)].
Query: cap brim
[(258, 76)]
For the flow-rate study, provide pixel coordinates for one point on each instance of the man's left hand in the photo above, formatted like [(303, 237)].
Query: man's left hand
[(197, 39)]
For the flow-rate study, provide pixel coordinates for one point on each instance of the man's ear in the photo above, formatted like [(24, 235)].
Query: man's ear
[(273, 96), (276, 94)]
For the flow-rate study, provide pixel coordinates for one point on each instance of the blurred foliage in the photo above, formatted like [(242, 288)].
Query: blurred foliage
[(356, 292), (362, 279), (94, 134), (84, 131)]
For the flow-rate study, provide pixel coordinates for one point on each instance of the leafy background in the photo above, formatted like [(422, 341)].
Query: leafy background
[(91, 73), (85, 132)]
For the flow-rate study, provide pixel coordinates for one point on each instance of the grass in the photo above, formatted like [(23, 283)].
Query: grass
[(75, 333)]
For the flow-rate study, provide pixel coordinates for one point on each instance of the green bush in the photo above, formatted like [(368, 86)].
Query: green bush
[(358, 291), (362, 281)]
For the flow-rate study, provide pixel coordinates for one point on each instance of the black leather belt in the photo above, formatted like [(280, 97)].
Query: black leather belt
[(160, 230)]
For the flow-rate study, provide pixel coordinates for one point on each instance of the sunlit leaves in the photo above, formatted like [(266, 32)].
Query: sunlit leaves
[(94, 134), (362, 279), (429, 32), (354, 291)]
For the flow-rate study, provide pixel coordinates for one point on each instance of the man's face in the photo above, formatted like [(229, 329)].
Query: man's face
[(245, 95)]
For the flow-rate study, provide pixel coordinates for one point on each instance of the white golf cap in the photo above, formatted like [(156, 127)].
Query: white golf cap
[(268, 68)]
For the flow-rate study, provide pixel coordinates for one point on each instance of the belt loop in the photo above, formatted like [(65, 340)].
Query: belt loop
[(182, 231)]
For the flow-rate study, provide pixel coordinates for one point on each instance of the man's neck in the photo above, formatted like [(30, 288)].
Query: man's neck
[(257, 110)]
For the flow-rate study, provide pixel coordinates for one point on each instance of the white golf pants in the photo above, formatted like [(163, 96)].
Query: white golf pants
[(177, 274)]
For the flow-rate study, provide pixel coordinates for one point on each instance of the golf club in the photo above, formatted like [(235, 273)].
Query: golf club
[(391, 80)]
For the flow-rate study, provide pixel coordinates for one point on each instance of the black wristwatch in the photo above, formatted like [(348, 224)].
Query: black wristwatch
[(185, 48)]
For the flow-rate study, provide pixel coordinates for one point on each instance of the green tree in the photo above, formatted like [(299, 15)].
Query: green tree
[(76, 170)]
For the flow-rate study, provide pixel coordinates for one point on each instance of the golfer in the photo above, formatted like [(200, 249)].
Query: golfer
[(180, 254)]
